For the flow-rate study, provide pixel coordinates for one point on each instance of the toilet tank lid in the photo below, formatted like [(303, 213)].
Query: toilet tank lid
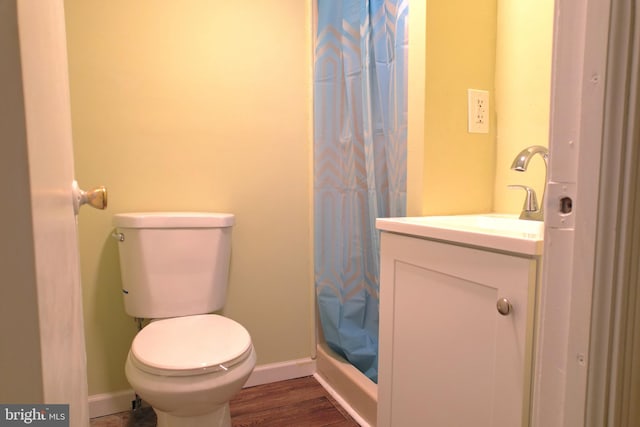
[(173, 220)]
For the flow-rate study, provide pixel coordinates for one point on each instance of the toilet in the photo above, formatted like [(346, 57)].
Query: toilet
[(186, 363)]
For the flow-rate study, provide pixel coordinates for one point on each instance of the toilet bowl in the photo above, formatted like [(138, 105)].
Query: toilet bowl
[(188, 368)]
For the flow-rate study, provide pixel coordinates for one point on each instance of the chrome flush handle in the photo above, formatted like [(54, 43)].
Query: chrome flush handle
[(118, 236)]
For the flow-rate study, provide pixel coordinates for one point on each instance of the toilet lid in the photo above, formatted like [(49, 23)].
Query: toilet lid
[(190, 345)]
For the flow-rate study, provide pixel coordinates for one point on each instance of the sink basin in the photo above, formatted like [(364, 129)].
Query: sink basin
[(501, 232)]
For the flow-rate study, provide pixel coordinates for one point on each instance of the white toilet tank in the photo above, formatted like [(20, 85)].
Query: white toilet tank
[(174, 263)]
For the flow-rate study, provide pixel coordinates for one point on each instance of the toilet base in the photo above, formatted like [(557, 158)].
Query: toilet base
[(218, 418), (192, 400)]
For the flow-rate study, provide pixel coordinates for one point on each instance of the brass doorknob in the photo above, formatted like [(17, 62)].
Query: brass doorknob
[(96, 197)]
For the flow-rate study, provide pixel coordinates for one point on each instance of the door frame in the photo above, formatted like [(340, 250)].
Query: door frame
[(585, 345)]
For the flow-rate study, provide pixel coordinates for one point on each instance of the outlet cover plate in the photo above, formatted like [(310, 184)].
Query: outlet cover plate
[(478, 111)]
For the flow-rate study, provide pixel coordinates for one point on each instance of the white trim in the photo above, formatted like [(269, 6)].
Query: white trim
[(348, 382), (341, 401), (281, 371), (578, 75), (104, 404)]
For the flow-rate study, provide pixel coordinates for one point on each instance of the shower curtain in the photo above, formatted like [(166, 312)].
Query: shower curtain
[(360, 156)]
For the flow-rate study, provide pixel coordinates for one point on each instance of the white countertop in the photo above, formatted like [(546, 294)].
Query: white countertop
[(493, 231)]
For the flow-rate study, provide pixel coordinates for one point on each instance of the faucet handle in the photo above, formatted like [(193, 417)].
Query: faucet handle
[(531, 201)]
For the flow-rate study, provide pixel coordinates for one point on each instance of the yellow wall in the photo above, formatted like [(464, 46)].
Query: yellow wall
[(523, 73), (197, 105), (503, 46), (458, 175), (416, 106)]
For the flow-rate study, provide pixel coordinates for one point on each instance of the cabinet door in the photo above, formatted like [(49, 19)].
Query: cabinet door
[(447, 356)]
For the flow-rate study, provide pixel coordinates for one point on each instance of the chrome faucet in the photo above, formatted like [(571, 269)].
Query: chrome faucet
[(523, 158), (531, 210)]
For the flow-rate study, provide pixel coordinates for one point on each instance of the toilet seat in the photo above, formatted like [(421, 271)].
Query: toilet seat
[(191, 345)]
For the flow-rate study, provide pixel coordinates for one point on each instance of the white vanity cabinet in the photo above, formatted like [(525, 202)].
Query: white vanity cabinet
[(448, 357)]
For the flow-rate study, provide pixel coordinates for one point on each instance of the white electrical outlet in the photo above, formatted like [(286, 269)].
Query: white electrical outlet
[(478, 110)]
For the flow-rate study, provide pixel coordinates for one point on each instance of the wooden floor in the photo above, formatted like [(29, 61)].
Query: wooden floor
[(292, 403)]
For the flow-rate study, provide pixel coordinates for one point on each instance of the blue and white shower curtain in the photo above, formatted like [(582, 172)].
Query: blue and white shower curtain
[(360, 157)]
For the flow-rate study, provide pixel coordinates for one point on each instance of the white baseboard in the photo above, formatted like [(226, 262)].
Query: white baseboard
[(110, 403), (273, 372), (120, 401)]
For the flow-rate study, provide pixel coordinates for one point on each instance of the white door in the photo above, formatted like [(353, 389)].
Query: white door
[(41, 295)]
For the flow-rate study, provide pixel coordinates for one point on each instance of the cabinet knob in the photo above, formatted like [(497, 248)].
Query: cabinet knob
[(504, 306)]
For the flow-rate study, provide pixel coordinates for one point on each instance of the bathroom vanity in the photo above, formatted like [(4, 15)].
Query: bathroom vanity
[(457, 309)]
